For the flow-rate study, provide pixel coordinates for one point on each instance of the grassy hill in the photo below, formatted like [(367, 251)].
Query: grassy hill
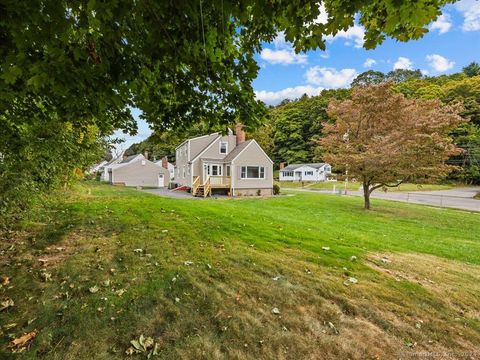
[(240, 278)]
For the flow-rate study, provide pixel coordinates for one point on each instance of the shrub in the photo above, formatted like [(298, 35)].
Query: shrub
[(276, 189)]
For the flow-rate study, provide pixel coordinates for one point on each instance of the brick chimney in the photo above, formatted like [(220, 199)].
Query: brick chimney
[(165, 162), (145, 155), (282, 165), (239, 133)]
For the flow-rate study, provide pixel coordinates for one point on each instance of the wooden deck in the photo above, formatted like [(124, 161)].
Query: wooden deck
[(213, 182)]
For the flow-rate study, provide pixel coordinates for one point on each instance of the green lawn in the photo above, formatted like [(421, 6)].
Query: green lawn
[(205, 278), (353, 186)]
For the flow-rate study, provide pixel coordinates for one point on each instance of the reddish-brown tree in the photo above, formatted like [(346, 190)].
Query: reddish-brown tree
[(383, 139)]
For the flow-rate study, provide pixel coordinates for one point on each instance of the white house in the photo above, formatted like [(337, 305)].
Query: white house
[(97, 167), (105, 168), (167, 165), (137, 170), (306, 172)]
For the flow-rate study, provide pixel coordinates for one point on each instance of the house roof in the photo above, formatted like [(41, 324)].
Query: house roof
[(113, 161), (194, 156), (236, 150), (292, 167), (196, 137), (129, 158)]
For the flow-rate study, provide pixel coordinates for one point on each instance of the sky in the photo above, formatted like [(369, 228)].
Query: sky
[(452, 43)]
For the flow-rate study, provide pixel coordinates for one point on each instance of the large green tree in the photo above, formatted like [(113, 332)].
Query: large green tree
[(383, 139), (88, 62)]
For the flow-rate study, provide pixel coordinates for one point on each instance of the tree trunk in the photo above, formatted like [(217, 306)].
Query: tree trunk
[(366, 196)]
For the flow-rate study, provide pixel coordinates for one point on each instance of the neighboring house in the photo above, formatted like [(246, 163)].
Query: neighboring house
[(224, 162), (164, 163), (105, 168), (306, 172), (97, 167), (137, 170)]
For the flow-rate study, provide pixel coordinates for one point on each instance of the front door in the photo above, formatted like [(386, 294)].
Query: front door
[(161, 180)]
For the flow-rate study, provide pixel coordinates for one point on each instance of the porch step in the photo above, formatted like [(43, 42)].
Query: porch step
[(200, 191)]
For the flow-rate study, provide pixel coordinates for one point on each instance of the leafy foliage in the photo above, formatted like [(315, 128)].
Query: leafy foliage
[(85, 64), (383, 138)]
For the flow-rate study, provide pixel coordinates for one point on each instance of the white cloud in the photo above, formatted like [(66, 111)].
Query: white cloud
[(282, 53), (330, 77), (275, 97), (442, 24), (369, 63), (439, 63), (403, 63), (470, 10), (353, 35), (323, 16), (283, 57)]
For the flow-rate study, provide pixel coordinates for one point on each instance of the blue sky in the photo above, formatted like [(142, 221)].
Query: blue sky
[(452, 42)]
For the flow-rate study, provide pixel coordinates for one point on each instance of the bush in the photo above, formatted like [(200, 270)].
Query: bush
[(276, 189)]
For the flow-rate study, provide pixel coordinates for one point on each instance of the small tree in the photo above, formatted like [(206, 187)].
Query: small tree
[(384, 139)]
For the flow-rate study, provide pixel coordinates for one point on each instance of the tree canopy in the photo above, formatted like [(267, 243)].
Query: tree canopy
[(85, 64), (382, 138)]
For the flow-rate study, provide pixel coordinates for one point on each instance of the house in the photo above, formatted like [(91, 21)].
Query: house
[(224, 163), (306, 172), (97, 167), (167, 165), (105, 168), (137, 170)]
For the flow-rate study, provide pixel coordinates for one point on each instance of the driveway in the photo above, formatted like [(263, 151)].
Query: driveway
[(180, 194), (458, 198), (169, 193)]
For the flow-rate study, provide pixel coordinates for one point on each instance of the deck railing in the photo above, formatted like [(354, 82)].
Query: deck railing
[(207, 187), (220, 181), (195, 184)]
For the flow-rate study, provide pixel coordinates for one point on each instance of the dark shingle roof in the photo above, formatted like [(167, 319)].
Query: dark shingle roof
[(292, 167), (234, 153)]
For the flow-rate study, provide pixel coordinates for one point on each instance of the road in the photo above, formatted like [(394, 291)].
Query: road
[(458, 198)]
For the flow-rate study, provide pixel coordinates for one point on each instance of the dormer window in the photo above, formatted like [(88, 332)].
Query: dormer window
[(223, 147)]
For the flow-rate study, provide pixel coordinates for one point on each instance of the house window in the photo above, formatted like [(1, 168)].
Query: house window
[(216, 170), (228, 170), (252, 172), (223, 147), (308, 173), (183, 171), (288, 173)]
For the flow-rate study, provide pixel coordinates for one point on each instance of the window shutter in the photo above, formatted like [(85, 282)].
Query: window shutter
[(239, 172), (265, 171)]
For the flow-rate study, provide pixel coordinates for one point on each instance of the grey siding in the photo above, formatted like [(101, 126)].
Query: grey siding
[(253, 155), (137, 174)]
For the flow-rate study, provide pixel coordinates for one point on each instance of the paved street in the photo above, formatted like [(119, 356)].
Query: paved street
[(458, 198)]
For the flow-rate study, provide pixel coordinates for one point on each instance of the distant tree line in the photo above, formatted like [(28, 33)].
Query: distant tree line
[(290, 132)]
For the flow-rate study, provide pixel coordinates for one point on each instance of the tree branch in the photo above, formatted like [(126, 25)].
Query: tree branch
[(384, 184)]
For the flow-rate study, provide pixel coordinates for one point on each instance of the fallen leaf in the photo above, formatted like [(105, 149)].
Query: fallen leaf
[(4, 280), (93, 289), (23, 340), (5, 304)]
